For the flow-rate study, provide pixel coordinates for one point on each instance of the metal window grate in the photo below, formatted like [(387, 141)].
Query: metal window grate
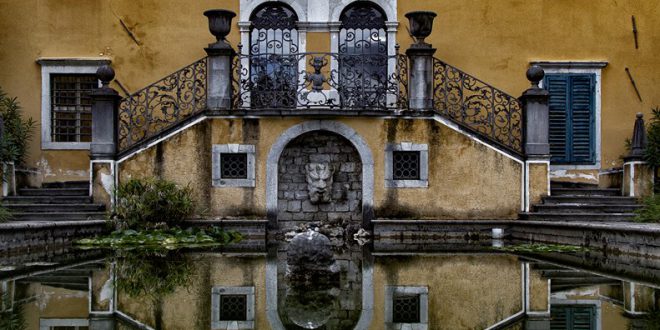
[(405, 165), (233, 165), (406, 309), (233, 307), (71, 107)]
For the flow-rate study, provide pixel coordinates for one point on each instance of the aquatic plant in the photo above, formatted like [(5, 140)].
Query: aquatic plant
[(17, 131), (152, 203), (651, 210), (163, 238), (542, 248)]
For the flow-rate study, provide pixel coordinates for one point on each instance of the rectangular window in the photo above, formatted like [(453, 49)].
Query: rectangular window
[(406, 309), (572, 117), (71, 107), (233, 307), (233, 166), (406, 165)]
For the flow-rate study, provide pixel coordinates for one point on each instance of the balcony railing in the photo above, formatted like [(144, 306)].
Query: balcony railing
[(478, 106), (161, 105), (320, 81)]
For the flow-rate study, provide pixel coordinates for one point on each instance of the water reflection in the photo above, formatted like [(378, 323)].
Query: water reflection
[(349, 287)]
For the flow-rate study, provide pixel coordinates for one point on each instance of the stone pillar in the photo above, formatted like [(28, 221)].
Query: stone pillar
[(101, 321), (219, 65), (420, 88), (103, 149), (638, 176), (536, 132)]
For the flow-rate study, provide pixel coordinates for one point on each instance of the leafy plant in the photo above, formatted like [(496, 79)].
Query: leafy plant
[(14, 318), (167, 238), (17, 131), (5, 214), (150, 203), (652, 151), (651, 210), (153, 275)]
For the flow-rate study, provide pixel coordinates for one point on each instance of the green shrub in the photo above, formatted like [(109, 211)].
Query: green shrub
[(652, 151), (651, 210), (11, 318), (18, 131), (5, 214), (150, 203), (153, 275)]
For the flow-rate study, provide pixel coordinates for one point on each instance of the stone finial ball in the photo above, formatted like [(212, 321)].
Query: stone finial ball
[(640, 115), (535, 73), (105, 74)]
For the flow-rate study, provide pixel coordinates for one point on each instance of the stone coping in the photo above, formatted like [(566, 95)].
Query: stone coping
[(198, 222), (21, 225)]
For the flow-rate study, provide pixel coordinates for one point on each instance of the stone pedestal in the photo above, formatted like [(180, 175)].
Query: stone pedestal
[(9, 179), (103, 179), (537, 179), (638, 178), (421, 78), (101, 321), (219, 84)]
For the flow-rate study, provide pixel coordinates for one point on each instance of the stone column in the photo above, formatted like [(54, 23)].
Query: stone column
[(420, 88), (535, 136), (638, 176), (103, 149)]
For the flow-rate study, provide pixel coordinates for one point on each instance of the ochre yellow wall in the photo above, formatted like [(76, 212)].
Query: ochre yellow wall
[(492, 39), (467, 180)]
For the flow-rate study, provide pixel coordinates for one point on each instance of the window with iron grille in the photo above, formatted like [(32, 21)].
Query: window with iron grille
[(405, 309), (233, 165), (405, 165), (233, 307), (71, 107)]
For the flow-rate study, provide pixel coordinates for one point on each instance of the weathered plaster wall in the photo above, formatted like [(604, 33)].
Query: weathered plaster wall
[(456, 284), (467, 180)]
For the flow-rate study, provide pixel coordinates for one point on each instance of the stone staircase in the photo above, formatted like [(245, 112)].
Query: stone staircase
[(60, 201), (567, 279), (582, 202)]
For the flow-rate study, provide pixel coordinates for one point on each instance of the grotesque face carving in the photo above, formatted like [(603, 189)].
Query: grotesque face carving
[(319, 182)]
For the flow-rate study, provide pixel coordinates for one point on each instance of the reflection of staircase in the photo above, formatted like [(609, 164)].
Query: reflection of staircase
[(76, 279), (566, 279), (59, 201), (581, 202)]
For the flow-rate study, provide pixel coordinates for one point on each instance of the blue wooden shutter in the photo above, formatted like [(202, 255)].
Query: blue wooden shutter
[(573, 317), (572, 115)]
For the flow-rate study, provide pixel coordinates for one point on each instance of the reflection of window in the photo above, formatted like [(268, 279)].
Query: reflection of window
[(406, 307), (63, 324), (232, 307), (407, 165), (363, 55), (573, 317), (273, 70), (233, 165)]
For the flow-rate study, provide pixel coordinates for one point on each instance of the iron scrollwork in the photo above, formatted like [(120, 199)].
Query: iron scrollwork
[(482, 108), (162, 104)]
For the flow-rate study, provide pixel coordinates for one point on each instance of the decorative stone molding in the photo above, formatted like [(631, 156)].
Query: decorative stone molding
[(423, 150), (218, 180)]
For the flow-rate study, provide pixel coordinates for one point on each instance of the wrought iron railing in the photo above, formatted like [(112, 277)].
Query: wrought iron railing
[(320, 80), (161, 105), (478, 106)]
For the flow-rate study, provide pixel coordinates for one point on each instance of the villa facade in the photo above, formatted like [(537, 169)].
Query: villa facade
[(331, 110)]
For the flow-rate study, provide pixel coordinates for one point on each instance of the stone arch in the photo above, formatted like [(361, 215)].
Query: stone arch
[(272, 165), (249, 7), (387, 6)]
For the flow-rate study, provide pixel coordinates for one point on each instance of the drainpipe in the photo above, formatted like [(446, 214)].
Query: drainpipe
[(103, 149), (535, 103)]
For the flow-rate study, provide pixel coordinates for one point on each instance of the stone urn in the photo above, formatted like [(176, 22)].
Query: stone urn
[(219, 25), (421, 25)]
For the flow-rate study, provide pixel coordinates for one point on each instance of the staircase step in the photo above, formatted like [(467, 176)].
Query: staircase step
[(581, 217), (561, 184), (587, 208), (53, 192), (585, 192), (30, 207), (598, 200), (57, 216), (46, 200), (66, 184)]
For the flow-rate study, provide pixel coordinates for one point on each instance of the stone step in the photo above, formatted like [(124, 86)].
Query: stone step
[(66, 184), (561, 184), (581, 217), (52, 207), (590, 200), (587, 208), (46, 200), (585, 192), (53, 192), (57, 216)]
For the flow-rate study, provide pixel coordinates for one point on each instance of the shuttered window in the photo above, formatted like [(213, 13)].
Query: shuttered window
[(572, 118), (573, 317)]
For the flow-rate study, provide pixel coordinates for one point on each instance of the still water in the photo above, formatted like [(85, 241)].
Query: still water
[(375, 286)]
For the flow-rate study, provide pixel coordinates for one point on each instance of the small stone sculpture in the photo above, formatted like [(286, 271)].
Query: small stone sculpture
[(319, 182), (317, 78)]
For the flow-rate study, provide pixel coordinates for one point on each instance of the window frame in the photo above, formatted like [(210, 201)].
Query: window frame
[(422, 292), (216, 292), (216, 159), (594, 68), (61, 66), (423, 150)]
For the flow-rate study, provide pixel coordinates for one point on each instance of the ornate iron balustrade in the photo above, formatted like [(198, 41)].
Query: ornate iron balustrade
[(320, 80), (161, 105), (480, 107)]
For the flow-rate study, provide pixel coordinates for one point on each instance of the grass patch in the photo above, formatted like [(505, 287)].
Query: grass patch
[(543, 248), (171, 238), (650, 213)]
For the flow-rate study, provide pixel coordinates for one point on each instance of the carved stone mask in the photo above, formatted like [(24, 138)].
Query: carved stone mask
[(319, 182)]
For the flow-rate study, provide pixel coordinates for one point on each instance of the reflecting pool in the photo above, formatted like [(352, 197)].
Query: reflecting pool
[(252, 285)]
